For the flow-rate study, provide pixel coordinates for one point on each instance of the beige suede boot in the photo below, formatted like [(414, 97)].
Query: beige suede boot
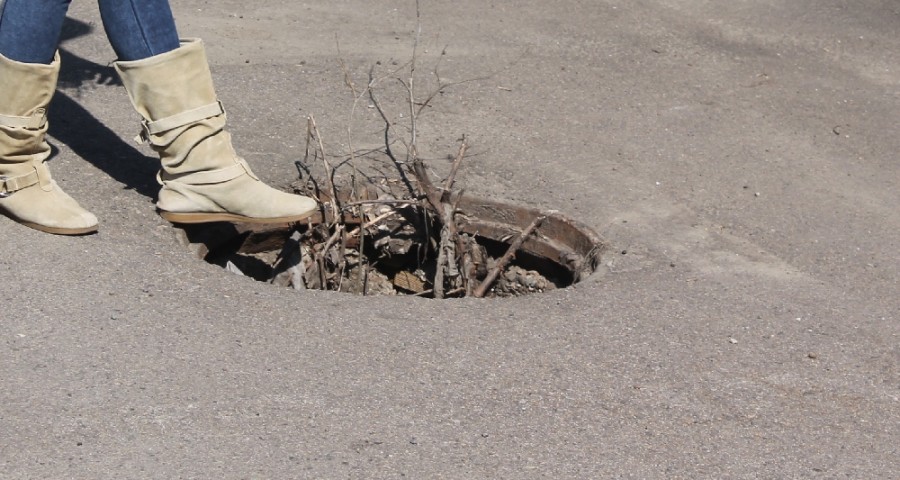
[(27, 193), (203, 179)]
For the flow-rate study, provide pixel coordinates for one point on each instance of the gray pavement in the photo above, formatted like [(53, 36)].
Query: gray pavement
[(739, 157)]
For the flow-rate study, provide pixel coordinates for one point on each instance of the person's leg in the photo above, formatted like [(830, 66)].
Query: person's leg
[(29, 29), (170, 85), (138, 29)]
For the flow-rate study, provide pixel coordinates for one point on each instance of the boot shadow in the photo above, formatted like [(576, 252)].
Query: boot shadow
[(75, 126)]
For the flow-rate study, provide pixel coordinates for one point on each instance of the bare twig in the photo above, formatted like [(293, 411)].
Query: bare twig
[(399, 203), (439, 271), (329, 172), (332, 239), (372, 222), (468, 266), (410, 87), (388, 126), (368, 90), (458, 255), (320, 257), (444, 86), (448, 184), (363, 259), (348, 80), (455, 291), (510, 253), (432, 194)]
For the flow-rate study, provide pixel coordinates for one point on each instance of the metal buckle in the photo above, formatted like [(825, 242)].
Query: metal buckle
[(5, 193)]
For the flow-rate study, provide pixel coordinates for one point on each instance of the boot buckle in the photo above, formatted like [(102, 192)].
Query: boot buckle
[(10, 185)]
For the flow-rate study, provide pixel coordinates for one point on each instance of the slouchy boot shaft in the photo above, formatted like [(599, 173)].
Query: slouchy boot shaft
[(28, 194), (203, 179)]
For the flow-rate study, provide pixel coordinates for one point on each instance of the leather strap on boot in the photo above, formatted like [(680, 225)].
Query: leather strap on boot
[(39, 175), (208, 177), (36, 121), (179, 120), (184, 119), (11, 185)]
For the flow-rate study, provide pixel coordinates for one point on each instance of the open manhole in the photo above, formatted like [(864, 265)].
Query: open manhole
[(385, 226), (394, 247)]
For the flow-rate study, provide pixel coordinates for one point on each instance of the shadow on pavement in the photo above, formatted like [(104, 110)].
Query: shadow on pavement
[(75, 126)]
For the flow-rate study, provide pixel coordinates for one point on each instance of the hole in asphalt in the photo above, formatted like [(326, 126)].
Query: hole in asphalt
[(394, 247)]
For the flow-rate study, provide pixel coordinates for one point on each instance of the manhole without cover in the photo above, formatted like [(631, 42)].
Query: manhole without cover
[(398, 251)]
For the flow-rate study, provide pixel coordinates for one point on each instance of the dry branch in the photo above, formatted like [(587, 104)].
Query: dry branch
[(510, 253), (329, 172), (463, 146)]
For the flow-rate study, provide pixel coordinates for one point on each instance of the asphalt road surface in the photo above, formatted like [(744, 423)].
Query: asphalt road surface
[(740, 158)]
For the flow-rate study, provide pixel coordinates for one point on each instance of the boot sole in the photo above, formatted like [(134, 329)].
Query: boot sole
[(229, 217), (62, 231)]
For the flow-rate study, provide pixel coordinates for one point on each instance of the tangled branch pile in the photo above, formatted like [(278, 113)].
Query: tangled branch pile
[(389, 238), (401, 233)]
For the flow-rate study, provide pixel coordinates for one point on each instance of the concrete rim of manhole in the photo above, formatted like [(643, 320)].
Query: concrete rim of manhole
[(559, 253)]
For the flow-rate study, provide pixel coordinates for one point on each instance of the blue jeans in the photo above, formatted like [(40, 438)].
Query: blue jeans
[(137, 29)]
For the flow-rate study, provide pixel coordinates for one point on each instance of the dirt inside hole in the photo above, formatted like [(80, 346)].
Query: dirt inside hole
[(393, 247)]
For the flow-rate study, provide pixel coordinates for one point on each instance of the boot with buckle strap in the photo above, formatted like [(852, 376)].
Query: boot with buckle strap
[(28, 194), (203, 179)]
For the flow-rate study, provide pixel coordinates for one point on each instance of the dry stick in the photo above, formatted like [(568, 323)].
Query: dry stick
[(320, 261), (308, 141), (335, 203), (305, 161), (329, 173), (510, 253), (448, 249), (468, 266), (333, 238), (399, 203), (412, 75), (320, 258), (454, 244), (443, 86), (342, 263), (442, 254), (363, 261), (428, 188), (361, 230), (456, 291), (388, 127), (462, 247), (348, 80), (371, 222), (464, 251), (448, 230), (445, 213), (448, 184), (413, 150)]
